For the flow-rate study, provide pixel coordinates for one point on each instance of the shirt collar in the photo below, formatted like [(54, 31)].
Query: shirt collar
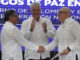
[(68, 19), (40, 19), (8, 22)]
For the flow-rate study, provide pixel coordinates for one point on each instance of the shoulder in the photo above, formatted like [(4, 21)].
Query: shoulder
[(26, 21), (59, 28), (7, 28), (47, 20), (72, 23)]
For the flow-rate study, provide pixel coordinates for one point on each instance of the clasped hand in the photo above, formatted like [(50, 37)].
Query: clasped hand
[(41, 49)]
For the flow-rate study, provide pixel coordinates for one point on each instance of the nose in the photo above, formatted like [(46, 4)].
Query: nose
[(35, 11)]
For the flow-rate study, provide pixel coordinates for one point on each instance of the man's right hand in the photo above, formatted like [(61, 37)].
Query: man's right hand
[(32, 25), (41, 49)]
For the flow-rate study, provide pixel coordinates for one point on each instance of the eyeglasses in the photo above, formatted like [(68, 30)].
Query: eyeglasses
[(14, 15), (63, 12)]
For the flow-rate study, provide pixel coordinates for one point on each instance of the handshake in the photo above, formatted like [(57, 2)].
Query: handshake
[(64, 51), (41, 49)]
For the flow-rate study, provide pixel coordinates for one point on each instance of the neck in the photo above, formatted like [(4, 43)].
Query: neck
[(63, 21), (12, 22)]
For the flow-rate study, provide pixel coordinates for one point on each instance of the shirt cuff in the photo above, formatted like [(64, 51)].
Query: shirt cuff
[(68, 48)]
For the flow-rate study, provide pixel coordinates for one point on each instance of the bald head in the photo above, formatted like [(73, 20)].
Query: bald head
[(65, 9), (64, 13)]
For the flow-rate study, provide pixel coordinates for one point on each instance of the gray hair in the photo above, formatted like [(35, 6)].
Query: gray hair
[(35, 3)]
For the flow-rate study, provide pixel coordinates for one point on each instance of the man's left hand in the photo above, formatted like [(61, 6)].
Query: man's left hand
[(65, 52), (44, 27)]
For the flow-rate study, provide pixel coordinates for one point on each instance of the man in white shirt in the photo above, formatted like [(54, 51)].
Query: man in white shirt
[(12, 40), (67, 37), (37, 30)]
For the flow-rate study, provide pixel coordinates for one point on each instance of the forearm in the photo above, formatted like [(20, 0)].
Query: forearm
[(75, 45), (51, 34), (51, 46)]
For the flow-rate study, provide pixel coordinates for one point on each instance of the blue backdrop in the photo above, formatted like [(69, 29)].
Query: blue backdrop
[(50, 9)]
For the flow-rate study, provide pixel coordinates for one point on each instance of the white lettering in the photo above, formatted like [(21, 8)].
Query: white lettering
[(47, 2), (54, 3), (77, 3), (72, 11), (4, 2), (1, 9), (70, 2), (22, 10), (78, 11), (61, 3), (12, 2), (20, 2), (29, 2), (23, 16), (38, 1), (55, 17)]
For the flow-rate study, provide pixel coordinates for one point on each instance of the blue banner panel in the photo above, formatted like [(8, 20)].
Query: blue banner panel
[(50, 8)]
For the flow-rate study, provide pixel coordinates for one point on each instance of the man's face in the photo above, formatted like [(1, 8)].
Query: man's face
[(36, 11), (14, 18), (62, 15)]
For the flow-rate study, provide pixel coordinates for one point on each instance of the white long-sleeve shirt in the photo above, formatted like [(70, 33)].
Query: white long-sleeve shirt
[(78, 51), (37, 37), (67, 35), (11, 42)]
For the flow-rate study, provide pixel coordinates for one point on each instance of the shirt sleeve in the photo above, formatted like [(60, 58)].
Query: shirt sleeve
[(25, 29), (53, 44), (75, 29), (17, 36), (50, 29)]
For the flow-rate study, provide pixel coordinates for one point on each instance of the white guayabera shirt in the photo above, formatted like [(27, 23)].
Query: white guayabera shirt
[(67, 35), (38, 36), (11, 42)]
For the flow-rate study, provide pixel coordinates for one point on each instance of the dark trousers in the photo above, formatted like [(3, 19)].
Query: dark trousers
[(40, 59), (49, 58), (76, 57)]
